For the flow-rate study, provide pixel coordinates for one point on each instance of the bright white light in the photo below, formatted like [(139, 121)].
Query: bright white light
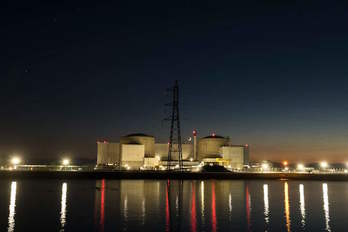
[(265, 166), (65, 162), (191, 159), (300, 167), (177, 166), (15, 160), (324, 164), (158, 157)]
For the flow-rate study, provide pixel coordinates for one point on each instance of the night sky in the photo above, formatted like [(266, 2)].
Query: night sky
[(272, 74)]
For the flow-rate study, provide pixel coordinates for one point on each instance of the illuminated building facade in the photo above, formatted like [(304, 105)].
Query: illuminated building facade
[(138, 151)]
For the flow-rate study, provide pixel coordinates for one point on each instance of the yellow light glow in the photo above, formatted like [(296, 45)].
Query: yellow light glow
[(264, 166), (301, 167), (15, 160), (65, 162), (285, 163), (324, 164)]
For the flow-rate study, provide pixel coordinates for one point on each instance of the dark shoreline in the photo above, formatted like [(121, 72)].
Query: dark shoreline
[(168, 175)]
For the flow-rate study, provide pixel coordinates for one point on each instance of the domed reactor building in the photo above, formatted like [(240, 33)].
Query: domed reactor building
[(140, 151)]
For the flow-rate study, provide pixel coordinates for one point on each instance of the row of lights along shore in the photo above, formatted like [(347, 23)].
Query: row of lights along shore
[(16, 160), (299, 167)]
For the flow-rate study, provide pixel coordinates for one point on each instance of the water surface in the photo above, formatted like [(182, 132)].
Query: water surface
[(156, 205)]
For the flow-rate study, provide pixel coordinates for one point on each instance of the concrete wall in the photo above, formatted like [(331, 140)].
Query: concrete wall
[(108, 153), (235, 155), (161, 149), (147, 141), (132, 152)]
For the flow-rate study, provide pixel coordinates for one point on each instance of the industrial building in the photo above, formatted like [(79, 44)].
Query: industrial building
[(140, 151)]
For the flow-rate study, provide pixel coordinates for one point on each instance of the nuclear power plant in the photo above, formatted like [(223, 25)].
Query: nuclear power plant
[(141, 152)]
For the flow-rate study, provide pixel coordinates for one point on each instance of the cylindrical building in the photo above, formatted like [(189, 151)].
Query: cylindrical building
[(209, 147), (147, 140)]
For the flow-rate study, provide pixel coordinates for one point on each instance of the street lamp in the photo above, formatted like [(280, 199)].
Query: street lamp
[(15, 161), (300, 167), (65, 162), (324, 164), (265, 166)]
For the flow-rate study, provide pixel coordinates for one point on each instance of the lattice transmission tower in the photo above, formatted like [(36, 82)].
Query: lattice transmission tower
[(175, 145)]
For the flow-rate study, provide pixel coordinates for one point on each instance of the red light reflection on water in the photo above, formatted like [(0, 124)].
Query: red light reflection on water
[(193, 210), (247, 206), (167, 208), (213, 208), (102, 199)]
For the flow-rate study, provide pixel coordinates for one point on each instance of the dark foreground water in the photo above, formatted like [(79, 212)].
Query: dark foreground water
[(152, 205)]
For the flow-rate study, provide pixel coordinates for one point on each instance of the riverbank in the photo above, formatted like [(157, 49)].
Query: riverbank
[(170, 175)]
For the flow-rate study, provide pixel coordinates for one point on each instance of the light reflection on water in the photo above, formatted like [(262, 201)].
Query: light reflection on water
[(248, 207), (63, 207), (209, 205), (12, 207), (202, 201), (287, 206), (266, 203), (302, 206), (326, 207)]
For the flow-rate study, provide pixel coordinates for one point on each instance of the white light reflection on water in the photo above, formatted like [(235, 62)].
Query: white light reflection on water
[(266, 203), (287, 207), (302, 206), (63, 206), (202, 201), (125, 208), (143, 210), (12, 207), (326, 207), (230, 203)]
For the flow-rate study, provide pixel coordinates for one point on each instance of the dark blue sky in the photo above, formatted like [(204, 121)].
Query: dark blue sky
[(271, 74)]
